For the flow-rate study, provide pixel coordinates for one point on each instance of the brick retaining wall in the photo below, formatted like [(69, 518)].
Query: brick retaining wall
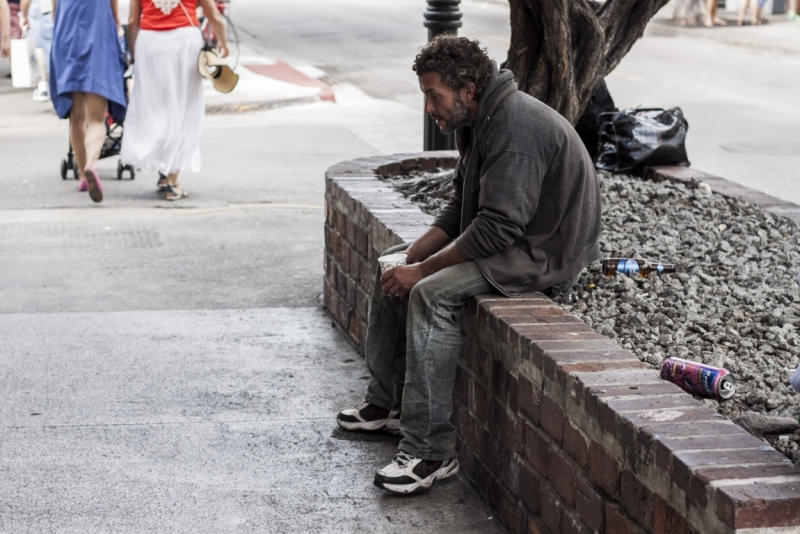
[(560, 429)]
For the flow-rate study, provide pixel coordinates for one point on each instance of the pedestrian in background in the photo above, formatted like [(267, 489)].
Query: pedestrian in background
[(711, 17), (37, 15), (754, 9), (792, 13), (87, 78), (5, 28), (165, 119)]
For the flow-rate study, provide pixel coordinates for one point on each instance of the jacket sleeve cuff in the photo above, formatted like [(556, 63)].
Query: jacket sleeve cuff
[(451, 228), (466, 247)]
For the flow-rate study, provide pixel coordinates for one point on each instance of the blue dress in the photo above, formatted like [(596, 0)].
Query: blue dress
[(86, 56)]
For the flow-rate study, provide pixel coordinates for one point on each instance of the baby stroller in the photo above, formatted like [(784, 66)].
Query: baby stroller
[(114, 130)]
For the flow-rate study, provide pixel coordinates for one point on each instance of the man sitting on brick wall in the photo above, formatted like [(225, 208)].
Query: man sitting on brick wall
[(525, 216)]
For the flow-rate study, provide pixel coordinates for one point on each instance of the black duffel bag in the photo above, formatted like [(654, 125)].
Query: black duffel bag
[(633, 138)]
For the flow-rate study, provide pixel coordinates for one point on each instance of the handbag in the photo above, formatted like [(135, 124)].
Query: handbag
[(211, 66), (20, 63), (633, 138)]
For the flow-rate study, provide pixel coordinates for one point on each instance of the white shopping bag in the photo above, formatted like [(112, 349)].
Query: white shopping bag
[(20, 63)]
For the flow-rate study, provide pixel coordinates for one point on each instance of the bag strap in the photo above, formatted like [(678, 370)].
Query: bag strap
[(185, 12)]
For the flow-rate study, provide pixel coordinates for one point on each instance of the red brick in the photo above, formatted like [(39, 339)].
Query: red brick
[(597, 346), (550, 335), (355, 327), (479, 400), (503, 467), (665, 519), (501, 422), (561, 370), (760, 505), (646, 435), (501, 379), (529, 398), (354, 267), (701, 478), (636, 500), (551, 508), (616, 523), (506, 506), (462, 385), (552, 418), (513, 394), (666, 446), (362, 242), (474, 436), (537, 449), (534, 526), (362, 304), (589, 504), (683, 463), (529, 489), (576, 444), (604, 470), (562, 477), (571, 524)]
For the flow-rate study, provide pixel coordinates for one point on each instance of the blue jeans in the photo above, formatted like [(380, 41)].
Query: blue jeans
[(412, 353)]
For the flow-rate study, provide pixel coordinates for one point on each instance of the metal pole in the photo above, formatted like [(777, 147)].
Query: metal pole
[(442, 16)]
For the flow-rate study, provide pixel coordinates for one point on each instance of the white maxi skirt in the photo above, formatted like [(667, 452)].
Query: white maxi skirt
[(165, 114)]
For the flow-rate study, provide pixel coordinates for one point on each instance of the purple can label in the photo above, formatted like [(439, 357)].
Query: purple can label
[(700, 379), (628, 267)]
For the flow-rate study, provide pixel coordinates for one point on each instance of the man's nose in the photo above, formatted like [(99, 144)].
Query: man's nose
[(428, 105)]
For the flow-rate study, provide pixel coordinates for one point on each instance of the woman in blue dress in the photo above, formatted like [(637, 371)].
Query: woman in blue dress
[(87, 65)]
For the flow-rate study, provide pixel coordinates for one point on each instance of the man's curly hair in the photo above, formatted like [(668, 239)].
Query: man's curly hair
[(458, 61)]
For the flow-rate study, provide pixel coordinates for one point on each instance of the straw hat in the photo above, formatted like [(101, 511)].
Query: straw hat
[(215, 69)]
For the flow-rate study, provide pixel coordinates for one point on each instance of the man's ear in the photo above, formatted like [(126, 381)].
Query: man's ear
[(469, 92)]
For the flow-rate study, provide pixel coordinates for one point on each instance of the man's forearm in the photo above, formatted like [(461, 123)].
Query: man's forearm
[(432, 241), (442, 259)]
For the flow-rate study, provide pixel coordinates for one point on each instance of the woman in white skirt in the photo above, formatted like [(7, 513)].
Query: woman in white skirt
[(166, 108)]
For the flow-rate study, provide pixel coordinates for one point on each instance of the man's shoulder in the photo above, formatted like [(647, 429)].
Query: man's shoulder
[(523, 110), (523, 124)]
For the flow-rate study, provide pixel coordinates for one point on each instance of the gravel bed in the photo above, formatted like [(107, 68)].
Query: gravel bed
[(733, 303)]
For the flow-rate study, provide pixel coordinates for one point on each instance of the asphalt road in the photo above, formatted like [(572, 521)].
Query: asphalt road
[(737, 86)]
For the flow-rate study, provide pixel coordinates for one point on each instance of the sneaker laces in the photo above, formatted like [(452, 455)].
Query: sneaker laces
[(402, 460)]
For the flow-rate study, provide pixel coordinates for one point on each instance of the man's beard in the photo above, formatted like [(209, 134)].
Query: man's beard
[(457, 117)]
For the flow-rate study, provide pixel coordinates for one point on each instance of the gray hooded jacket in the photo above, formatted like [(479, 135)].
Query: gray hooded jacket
[(526, 205)]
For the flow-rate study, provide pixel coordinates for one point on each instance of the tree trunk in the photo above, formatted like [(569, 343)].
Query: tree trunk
[(562, 49)]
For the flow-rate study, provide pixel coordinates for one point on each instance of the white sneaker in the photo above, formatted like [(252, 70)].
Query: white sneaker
[(41, 93), (407, 474), (368, 418)]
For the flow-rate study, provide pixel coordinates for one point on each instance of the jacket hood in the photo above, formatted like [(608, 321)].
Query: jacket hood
[(501, 85)]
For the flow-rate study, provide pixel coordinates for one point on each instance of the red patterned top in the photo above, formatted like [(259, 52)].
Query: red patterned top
[(155, 19)]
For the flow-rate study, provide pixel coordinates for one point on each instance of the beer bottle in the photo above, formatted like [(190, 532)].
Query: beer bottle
[(635, 267)]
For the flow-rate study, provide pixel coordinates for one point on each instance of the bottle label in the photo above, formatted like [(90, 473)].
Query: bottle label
[(659, 268), (628, 267)]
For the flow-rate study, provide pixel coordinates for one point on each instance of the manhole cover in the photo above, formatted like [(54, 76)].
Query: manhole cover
[(767, 149), (84, 237)]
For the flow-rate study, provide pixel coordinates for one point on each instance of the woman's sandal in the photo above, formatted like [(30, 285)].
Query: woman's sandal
[(162, 182), (175, 193)]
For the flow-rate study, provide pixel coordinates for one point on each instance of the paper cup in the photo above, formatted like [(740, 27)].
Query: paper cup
[(391, 261)]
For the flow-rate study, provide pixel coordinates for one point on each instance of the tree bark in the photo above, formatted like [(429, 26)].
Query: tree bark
[(562, 49)]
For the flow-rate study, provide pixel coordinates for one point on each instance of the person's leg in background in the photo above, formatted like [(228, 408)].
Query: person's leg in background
[(87, 133)]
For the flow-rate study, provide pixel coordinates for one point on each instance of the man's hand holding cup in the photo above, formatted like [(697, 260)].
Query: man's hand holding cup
[(398, 277)]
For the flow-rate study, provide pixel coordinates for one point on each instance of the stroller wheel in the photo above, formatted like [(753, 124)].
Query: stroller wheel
[(75, 173), (64, 169), (119, 170), (131, 170)]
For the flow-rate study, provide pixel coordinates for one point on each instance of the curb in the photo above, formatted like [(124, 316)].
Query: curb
[(726, 188)]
